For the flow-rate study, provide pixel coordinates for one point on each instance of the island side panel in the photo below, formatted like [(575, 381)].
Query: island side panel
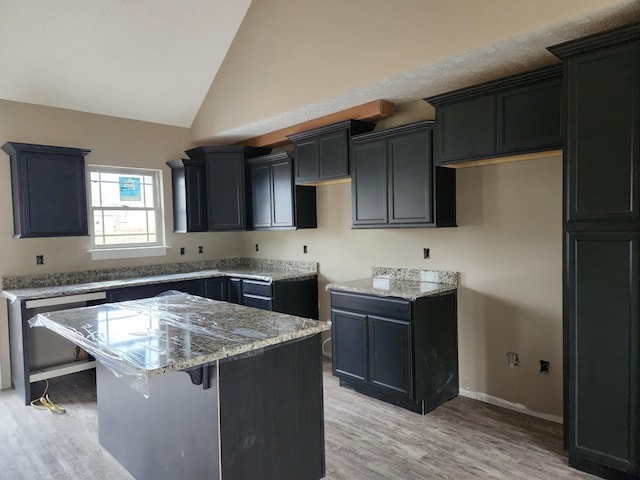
[(169, 435), (19, 350), (271, 413)]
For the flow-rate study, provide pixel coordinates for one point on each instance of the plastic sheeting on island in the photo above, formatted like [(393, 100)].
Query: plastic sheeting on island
[(173, 331)]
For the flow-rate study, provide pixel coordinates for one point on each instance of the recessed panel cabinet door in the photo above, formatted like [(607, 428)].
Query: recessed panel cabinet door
[(349, 346), (390, 354), (410, 173), (602, 146), (196, 198), (334, 154), (261, 198), (306, 160), (225, 192), (282, 194), (369, 183), (603, 299)]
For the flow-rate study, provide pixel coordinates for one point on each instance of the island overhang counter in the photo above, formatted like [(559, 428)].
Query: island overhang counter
[(189, 387)]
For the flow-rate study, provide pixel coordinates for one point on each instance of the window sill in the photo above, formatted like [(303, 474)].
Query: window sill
[(131, 252)]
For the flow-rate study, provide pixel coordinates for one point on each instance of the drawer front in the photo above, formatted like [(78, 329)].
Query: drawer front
[(263, 303), (381, 306), (253, 287)]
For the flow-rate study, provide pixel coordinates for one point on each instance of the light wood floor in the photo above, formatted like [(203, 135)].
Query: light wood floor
[(365, 439)]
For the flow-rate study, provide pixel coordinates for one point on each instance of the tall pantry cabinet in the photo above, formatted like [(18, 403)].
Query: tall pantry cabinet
[(602, 251)]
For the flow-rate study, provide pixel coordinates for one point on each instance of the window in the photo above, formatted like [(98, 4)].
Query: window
[(126, 213)]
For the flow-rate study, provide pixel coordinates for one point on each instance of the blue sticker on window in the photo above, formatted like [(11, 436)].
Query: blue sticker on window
[(129, 189)]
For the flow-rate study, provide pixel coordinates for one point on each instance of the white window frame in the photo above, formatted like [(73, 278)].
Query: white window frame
[(128, 250)]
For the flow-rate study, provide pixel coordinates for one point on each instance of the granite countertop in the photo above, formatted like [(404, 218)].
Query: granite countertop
[(265, 272), (173, 332), (406, 283)]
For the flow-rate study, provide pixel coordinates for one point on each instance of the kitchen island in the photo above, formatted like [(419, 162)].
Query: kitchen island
[(190, 387)]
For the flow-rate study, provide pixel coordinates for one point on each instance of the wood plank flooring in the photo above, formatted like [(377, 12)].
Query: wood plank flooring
[(365, 439)]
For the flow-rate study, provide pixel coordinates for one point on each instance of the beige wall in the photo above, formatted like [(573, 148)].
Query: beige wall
[(507, 248), (114, 141), (289, 54)]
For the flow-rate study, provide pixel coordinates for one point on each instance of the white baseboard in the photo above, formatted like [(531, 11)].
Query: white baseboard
[(516, 407)]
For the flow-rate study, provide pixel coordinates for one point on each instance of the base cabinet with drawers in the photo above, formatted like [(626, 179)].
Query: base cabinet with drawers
[(399, 351)]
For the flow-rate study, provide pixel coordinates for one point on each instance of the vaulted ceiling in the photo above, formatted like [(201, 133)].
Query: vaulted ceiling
[(157, 60)]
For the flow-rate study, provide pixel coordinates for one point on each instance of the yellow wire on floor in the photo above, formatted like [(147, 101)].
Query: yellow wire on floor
[(44, 403)]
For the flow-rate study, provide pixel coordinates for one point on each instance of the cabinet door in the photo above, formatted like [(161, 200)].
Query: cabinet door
[(602, 302), (282, 186), (529, 118), (261, 200), (196, 198), (334, 155), (306, 160), (349, 345), (225, 192), (390, 355), (216, 288), (235, 290), (602, 139), (410, 178), (193, 287), (466, 129), (51, 195), (369, 183)]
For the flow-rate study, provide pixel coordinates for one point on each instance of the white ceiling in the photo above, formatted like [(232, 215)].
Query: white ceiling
[(151, 60), (154, 60)]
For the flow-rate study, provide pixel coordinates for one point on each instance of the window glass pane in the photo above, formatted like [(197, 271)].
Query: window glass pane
[(148, 196), (98, 222), (95, 193), (94, 176), (151, 220)]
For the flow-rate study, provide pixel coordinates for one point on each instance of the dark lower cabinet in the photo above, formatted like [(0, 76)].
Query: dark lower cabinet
[(48, 189), (603, 297), (399, 351), (216, 288), (602, 253)]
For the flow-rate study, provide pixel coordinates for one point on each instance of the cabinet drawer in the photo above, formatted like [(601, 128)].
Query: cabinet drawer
[(253, 287), (381, 306), (254, 301)]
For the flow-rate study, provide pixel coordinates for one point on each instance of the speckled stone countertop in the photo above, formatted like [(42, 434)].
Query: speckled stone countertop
[(407, 283), (74, 283), (173, 332)]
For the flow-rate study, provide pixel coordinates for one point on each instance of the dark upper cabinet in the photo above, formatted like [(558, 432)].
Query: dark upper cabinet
[(511, 116), (225, 184), (322, 154), (48, 190), (275, 202), (603, 89), (189, 195), (602, 252), (394, 183)]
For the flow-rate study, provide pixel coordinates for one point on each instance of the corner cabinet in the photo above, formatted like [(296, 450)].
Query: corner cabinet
[(48, 190), (275, 203), (322, 154), (512, 116), (602, 252), (225, 184), (399, 351), (394, 182)]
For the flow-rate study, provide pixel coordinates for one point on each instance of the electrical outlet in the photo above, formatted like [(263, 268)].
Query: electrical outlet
[(181, 250), (257, 247), (304, 249), (425, 252), (545, 367), (39, 259), (200, 249)]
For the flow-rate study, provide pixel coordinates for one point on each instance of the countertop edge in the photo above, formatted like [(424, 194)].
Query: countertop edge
[(81, 288), (443, 290)]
